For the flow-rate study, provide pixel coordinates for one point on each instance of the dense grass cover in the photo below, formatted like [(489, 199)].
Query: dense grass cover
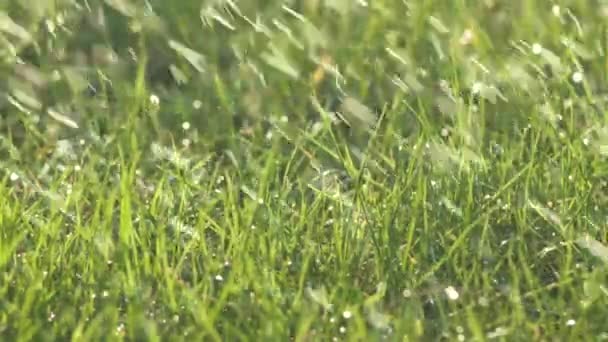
[(303, 170)]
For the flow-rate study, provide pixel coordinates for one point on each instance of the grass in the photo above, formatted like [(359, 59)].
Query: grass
[(307, 170)]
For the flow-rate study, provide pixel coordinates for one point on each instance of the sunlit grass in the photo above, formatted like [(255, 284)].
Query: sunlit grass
[(319, 170)]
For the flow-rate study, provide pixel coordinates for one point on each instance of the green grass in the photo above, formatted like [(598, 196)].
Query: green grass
[(303, 170)]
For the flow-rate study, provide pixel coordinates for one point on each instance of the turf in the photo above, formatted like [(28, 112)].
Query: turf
[(303, 170)]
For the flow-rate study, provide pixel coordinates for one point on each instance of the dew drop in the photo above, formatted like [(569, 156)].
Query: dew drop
[(556, 10), (14, 177), (451, 293), (154, 100)]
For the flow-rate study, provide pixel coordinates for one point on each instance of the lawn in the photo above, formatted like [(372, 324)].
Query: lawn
[(303, 170)]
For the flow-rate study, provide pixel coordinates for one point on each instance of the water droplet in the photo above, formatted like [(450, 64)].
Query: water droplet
[(577, 77), (154, 100), (537, 49), (467, 37), (451, 293), (477, 87), (185, 125), (347, 314), (556, 10)]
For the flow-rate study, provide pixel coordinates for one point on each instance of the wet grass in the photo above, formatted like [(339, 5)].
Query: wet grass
[(314, 170)]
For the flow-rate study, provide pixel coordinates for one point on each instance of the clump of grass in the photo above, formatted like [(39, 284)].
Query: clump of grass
[(321, 170)]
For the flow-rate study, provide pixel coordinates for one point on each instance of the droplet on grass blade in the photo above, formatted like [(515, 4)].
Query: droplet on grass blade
[(451, 293), (556, 10), (577, 77), (154, 100), (594, 247), (467, 37)]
